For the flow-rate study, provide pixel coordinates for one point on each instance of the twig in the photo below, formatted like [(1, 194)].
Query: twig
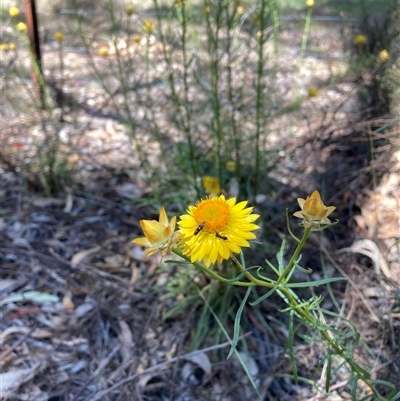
[(103, 364), (16, 344), (103, 393)]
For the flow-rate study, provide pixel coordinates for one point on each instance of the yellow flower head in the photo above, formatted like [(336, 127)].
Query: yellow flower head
[(12, 46), (312, 92), (240, 10), (14, 12), (215, 228), (310, 3), (148, 27), (160, 236), (137, 38), (103, 51), (360, 40), (384, 55), (129, 9), (313, 211), (22, 27), (59, 36), (211, 185), (4, 47), (230, 166)]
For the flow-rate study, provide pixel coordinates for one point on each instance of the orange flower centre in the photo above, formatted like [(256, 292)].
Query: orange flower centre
[(213, 213)]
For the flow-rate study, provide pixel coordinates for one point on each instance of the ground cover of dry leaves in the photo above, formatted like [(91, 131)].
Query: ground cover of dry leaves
[(82, 313)]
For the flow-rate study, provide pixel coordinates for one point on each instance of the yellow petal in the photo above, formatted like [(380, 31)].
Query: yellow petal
[(163, 219), (143, 241)]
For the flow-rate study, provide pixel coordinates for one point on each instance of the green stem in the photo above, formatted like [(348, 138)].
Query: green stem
[(260, 98), (295, 255), (305, 34), (212, 273)]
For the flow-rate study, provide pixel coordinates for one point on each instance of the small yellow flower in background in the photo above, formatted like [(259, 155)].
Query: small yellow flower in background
[(211, 185), (215, 228), (313, 211), (259, 34), (207, 9), (240, 10), (103, 52), (14, 12), (129, 9), (12, 46), (384, 55), (21, 27), (230, 166), (59, 36), (360, 40), (312, 92), (160, 236), (310, 3), (137, 38), (4, 47), (148, 27)]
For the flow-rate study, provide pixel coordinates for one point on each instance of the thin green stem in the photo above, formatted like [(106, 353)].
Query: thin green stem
[(260, 98), (306, 32), (232, 25), (211, 272), (295, 256)]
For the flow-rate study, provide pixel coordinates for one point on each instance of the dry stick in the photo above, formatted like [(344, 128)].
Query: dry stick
[(161, 365), (34, 42), (102, 366), (15, 345)]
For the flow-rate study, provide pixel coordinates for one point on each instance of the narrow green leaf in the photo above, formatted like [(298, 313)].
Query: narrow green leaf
[(288, 227), (328, 371), (315, 283), (272, 267), (236, 329), (265, 296), (251, 380), (396, 397), (385, 383), (291, 347), (279, 256), (242, 274)]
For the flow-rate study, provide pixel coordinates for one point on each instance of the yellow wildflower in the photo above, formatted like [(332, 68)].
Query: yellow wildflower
[(103, 51), (148, 27), (12, 46), (22, 27), (310, 3), (215, 228), (4, 47), (360, 40), (160, 236), (59, 36), (207, 9), (384, 55), (130, 9), (313, 211), (211, 185), (240, 10), (230, 166), (14, 12), (137, 38), (312, 92)]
